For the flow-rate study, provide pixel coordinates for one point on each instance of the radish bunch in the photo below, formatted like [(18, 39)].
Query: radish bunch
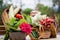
[(46, 22)]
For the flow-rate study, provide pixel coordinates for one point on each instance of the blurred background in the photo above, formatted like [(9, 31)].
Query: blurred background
[(48, 7)]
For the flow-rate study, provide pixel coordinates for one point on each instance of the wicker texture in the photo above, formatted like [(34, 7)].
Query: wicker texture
[(50, 33)]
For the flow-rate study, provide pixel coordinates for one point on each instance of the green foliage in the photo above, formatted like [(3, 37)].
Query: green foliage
[(27, 11), (6, 36), (44, 9), (27, 18), (19, 22), (13, 23), (35, 34)]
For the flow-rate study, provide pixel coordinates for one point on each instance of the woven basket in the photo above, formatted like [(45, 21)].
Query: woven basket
[(12, 35), (44, 33), (50, 33)]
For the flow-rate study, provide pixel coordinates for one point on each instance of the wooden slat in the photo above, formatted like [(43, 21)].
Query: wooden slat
[(2, 30)]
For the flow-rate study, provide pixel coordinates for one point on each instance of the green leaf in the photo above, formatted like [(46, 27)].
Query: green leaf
[(12, 20), (6, 35), (27, 18), (19, 22), (35, 34)]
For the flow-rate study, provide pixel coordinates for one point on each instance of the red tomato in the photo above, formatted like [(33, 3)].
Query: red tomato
[(19, 16)]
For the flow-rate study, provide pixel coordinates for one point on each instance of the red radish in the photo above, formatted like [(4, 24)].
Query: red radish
[(48, 26), (19, 16), (47, 18), (46, 22), (41, 21)]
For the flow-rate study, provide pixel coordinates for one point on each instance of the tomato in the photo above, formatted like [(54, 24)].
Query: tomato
[(19, 16)]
